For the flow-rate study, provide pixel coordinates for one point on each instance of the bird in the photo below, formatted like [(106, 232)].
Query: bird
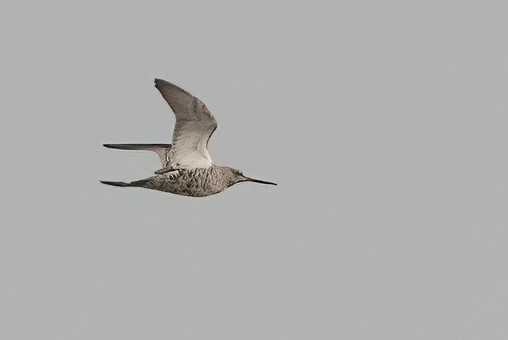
[(187, 168)]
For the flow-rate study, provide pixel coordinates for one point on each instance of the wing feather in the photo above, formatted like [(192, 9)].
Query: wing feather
[(194, 126)]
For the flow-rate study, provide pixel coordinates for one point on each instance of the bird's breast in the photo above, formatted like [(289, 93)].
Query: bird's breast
[(198, 182)]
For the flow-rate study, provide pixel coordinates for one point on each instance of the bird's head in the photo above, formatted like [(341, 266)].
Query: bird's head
[(236, 176)]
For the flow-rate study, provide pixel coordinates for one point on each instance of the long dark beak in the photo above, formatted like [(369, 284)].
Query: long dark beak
[(248, 179)]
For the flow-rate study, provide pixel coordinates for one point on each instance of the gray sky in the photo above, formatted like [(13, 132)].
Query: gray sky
[(384, 123)]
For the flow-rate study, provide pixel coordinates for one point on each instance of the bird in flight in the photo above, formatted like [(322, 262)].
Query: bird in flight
[(187, 167)]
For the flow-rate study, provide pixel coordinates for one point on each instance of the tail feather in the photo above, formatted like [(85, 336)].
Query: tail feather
[(140, 183), (115, 184)]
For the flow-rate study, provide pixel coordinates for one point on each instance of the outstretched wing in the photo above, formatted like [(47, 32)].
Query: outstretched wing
[(193, 128), (160, 149)]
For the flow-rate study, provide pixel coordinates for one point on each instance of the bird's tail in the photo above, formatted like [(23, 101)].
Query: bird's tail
[(140, 183)]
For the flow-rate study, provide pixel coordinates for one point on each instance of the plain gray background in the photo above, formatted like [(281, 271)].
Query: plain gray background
[(384, 123)]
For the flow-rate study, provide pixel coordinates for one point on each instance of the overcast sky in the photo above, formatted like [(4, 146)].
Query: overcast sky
[(383, 122)]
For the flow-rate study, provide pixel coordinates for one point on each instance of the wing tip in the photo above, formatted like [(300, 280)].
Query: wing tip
[(158, 82)]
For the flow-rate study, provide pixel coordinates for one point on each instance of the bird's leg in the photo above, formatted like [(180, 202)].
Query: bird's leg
[(171, 173), (163, 170)]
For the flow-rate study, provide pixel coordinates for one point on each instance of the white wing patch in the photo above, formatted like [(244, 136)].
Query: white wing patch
[(194, 126), (190, 151)]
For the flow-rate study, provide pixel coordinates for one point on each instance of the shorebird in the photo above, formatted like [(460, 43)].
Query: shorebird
[(187, 167)]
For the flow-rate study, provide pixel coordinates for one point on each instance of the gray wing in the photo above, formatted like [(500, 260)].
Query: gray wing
[(160, 149), (194, 126)]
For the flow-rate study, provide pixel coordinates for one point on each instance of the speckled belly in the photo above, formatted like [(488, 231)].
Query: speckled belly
[(185, 183)]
